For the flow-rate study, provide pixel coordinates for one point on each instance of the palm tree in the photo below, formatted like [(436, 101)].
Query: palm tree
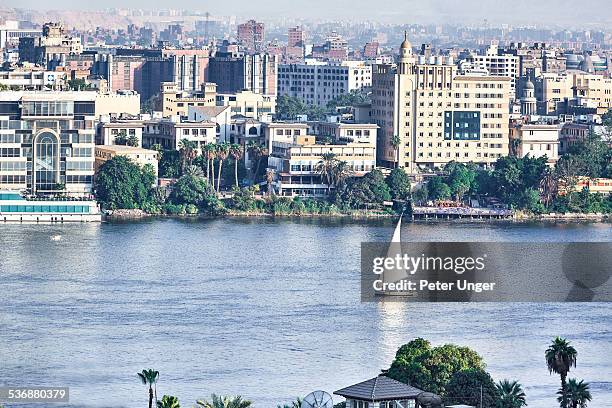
[(511, 394), (235, 150), (224, 402), (210, 152), (256, 150), (222, 152), (341, 172), (577, 393), (549, 186), (150, 377), (294, 404), (395, 142), (194, 171), (560, 358), (168, 401), (326, 168), (188, 152)]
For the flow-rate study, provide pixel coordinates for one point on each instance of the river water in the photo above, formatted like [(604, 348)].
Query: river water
[(267, 309)]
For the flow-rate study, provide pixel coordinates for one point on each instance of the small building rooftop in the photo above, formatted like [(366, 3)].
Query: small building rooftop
[(381, 388)]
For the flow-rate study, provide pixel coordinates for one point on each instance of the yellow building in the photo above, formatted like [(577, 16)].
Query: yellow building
[(175, 102), (138, 155), (588, 90), (438, 115)]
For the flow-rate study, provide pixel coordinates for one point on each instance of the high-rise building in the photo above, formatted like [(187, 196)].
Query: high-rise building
[(47, 142), (251, 35), (439, 116), (317, 83), (295, 37), (236, 71), (497, 64)]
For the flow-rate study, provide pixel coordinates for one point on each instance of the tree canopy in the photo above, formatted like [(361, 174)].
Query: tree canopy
[(432, 368), (121, 183)]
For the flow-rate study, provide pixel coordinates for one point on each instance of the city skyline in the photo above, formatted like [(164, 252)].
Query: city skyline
[(468, 12)]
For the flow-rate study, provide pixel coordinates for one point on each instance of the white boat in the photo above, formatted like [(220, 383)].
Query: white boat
[(16, 208)]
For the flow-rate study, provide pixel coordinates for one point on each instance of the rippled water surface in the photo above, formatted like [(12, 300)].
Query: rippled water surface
[(267, 309)]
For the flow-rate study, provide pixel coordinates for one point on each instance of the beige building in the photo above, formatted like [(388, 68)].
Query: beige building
[(536, 140), (117, 103), (169, 132), (138, 155), (175, 102), (588, 90), (343, 132), (248, 104), (109, 129), (438, 115)]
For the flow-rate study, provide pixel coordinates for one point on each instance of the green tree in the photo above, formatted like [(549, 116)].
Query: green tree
[(79, 84), (560, 358), (223, 150), (421, 194), (170, 164), (210, 152), (325, 167), (235, 150), (473, 387), (121, 183), (168, 401), (188, 152), (432, 368), (399, 184), (294, 404), (578, 394), (396, 141), (351, 98), (217, 401), (256, 152), (191, 189), (438, 189), (149, 377), (510, 394), (461, 179)]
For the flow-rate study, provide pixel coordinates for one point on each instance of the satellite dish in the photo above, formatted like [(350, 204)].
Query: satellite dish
[(429, 400), (317, 399)]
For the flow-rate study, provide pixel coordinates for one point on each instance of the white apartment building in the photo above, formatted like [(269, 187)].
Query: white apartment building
[(494, 64), (316, 83), (536, 140)]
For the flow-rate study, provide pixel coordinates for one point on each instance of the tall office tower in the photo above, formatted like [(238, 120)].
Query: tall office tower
[(438, 115)]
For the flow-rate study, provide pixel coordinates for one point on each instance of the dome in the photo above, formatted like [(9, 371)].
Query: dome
[(405, 44), (529, 85)]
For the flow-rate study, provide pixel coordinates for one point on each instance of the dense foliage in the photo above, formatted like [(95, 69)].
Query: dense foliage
[(121, 183), (468, 386), (432, 368)]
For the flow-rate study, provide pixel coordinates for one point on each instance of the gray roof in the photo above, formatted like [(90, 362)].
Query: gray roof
[(381, 388)]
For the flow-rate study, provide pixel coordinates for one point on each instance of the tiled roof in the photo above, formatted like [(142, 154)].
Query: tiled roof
[(380, 388)]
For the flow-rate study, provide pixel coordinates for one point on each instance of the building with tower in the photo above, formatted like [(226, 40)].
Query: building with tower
[(528, 101), (438, 115)]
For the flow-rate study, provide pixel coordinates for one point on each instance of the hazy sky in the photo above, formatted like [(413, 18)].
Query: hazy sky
[(563, 12)]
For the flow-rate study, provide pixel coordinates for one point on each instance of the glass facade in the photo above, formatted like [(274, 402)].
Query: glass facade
[(45, 144), (46, 161), (462, 125), (45, 208)]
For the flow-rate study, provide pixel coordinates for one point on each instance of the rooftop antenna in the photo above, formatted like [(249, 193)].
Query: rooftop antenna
[(317, 399)]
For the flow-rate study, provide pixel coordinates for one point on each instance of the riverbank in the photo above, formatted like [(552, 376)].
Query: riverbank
[(126, 215)]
